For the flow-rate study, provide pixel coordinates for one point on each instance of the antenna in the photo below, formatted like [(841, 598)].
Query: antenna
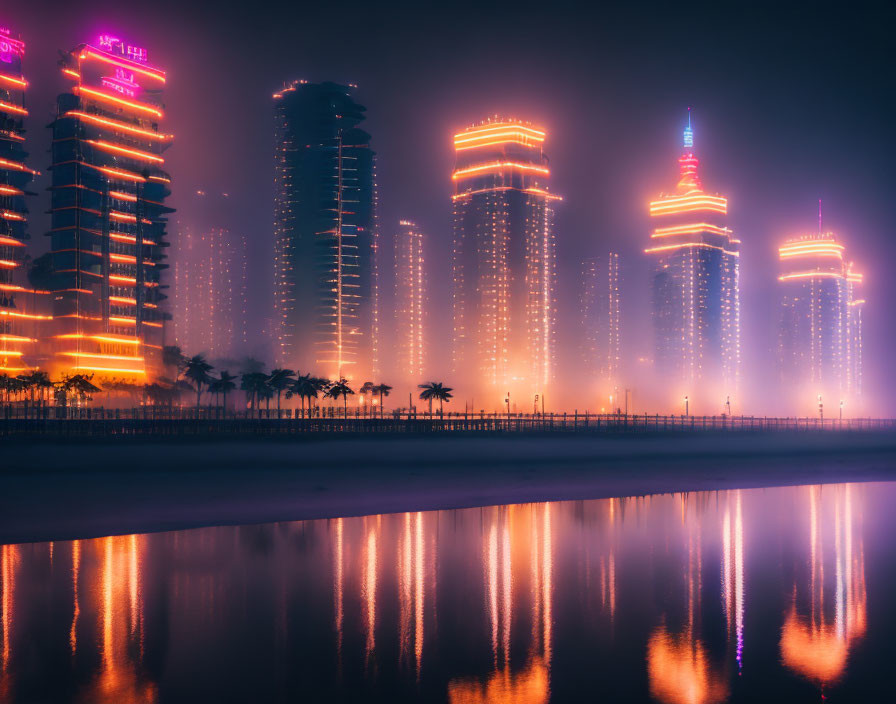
[(688, 133), (819, 216)]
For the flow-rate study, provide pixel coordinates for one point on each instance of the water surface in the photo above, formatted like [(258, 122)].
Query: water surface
[(778, 594)]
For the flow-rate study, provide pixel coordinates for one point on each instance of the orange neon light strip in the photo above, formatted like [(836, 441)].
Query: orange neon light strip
[(109, 98), (11, 353), (100, 338), (688, 203), (10, 191), (810, 275), (127, 217), (472, 133), (123, 301), (497, 189), (21, 82), (123, 196), (100, 356), (116, 125), (133, 153), (10, 242), (118, 173), (690, 230), (120, 320), (71, 73), (16, 338), (26, 316), (8, 263), (91, 53), (9, 215), (9, 107), (669, 247), (498, 166), (11, 287), (116, 370), (15, 166)]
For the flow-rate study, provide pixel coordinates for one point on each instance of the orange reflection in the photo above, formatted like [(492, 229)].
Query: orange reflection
[(9, 559), (529, 686), (816, 644)]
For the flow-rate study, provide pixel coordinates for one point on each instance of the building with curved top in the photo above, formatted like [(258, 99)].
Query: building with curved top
[(504, 266), (19, 319), (695, 291), (820, 341), (109, 218), (325, 233)]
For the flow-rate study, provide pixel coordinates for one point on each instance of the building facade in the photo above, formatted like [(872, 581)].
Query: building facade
[(210, 280), (109, 218), (20, 321), (600, 307), (695, 292), (504, 267), (410, 302), (325, 287), (820, 341)]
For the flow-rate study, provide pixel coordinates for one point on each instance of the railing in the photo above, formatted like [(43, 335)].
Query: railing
[(26, 419)]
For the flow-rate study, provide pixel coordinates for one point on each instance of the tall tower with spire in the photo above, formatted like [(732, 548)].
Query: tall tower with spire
[(696, 308)]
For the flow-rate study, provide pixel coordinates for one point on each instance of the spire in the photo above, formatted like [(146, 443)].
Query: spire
[(689, 133)]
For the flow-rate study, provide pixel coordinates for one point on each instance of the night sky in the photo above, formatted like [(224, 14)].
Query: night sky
[(792, 102)]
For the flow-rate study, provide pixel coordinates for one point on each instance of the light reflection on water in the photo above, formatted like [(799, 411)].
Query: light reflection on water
[(687, 598)]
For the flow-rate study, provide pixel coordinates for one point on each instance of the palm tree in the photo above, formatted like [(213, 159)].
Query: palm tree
[(279, 381), (172, 356), (340, 388), (303, 387), (41, 381), (81, 385), (197, 370), (367, 390), (435, 390), (254, 384), (225, 384), (382, 390)]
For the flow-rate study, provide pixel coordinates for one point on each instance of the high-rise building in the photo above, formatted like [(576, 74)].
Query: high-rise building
[(503, 262), (410, 301), (108, 236), (821, 322), (695, 289), (18, 318), (600, 322), (210, 279), (325, 233)]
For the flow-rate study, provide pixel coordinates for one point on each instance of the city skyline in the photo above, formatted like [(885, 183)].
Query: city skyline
[(568, 239)]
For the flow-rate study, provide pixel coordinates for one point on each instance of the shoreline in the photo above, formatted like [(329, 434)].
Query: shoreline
[(90, 488)]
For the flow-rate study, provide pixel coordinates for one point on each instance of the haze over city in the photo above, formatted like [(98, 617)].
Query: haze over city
[(787, 109)]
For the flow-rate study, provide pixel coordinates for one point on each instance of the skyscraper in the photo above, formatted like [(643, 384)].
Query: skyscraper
[(108, 236), (210, 280), (600, 323), (410, 301), (325, 233), (18, 319), (821, 322), (695, 289), (503, 262)]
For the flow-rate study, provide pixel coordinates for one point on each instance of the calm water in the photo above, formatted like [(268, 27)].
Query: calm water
[(777, 594)]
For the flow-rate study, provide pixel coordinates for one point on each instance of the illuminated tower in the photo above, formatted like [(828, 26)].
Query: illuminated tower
[(325, 234), (504, 262), (410, 299), (210, 280), (696, 309), (821, 321), (18, 319), (600, 311), (108, 238)]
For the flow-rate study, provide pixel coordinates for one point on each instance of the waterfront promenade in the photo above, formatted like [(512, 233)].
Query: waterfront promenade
[(24, 421)]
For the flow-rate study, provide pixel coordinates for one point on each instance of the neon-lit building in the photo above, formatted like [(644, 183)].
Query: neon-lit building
[(600, 321), (504, 265), (325, 233), (410, 301), (695, 290), (821, 322), (210, 280), (18, 318), (108, 236)]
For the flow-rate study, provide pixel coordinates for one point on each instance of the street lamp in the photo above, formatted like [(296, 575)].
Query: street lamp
[(686, 411), (841, 410), (820, 409)]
